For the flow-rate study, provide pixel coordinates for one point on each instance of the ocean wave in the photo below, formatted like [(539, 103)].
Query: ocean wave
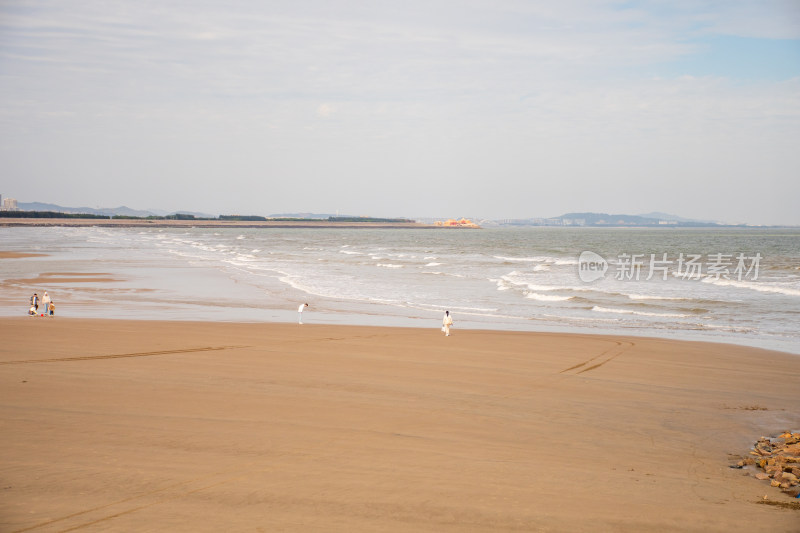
[(433, 264), (389, 265), (522, 259), (653, 297), (600, 309), (454, 308), (730, 329), (537, 287), (752, 285), (537, 259), (547, 297), (440, 273)]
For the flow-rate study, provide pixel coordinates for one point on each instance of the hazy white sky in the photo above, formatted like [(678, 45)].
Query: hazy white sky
[(487, 109)]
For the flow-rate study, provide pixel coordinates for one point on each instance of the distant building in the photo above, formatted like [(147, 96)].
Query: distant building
[(9, 204)]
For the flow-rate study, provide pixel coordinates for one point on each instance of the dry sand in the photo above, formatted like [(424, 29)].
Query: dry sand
[(145, 426)]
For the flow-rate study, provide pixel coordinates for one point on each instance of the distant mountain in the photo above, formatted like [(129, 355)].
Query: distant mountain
[(320, 216), (666, 216), (610, 220), (196, 214), (105, 211), (591, 219)]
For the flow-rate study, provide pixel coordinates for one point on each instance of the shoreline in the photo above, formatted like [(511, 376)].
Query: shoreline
[(66, 286), (243, 282), (209, 426), (287, 317)]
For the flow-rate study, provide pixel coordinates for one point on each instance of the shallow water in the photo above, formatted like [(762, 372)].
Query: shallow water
[(747, 290)]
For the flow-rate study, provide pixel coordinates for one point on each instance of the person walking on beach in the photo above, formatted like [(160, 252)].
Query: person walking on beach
[(46, 303), (300, 313), (35, 301), (52, 308), (447, 321)]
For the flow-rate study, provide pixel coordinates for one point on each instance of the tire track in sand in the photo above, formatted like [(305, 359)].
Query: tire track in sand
[(121, 355), (140, 501), (611, 353)]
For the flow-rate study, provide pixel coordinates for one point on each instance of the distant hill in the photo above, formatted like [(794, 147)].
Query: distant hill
[(592, 219), (307, 216), (311, 216), (666, 216), (611, 220), (105, 211)]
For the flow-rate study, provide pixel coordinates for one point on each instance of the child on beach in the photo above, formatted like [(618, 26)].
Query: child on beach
[(52, 308)]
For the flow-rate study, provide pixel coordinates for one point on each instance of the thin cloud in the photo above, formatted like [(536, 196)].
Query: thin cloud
[(485, 90)]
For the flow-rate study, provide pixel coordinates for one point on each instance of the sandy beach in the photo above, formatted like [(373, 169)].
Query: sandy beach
[(113, 425)]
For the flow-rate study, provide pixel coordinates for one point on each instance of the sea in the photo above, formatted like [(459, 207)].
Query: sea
[(734, 285)]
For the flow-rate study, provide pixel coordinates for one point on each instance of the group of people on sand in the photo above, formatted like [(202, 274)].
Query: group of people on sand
[(47, 304)]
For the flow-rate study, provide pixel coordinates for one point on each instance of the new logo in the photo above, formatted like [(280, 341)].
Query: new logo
[(591, 267)]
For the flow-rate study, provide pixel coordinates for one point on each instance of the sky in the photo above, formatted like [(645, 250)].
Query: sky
[(436, 108)]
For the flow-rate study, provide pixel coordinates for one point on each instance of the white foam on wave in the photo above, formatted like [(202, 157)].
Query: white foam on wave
[(433, 264), (440, 273), (618, 311), (547, 297), (389, 265), (536, 259), (653, 297), (753, 286), (506, 282), (350, 252)]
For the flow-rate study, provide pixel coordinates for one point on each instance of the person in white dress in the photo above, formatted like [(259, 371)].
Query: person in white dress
[(300, 313), (447, 321)]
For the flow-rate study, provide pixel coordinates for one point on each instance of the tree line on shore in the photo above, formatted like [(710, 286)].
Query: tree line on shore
[(183, 216)]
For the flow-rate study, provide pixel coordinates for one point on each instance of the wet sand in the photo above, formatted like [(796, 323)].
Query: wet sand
[(111, 425), (18, 255)]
